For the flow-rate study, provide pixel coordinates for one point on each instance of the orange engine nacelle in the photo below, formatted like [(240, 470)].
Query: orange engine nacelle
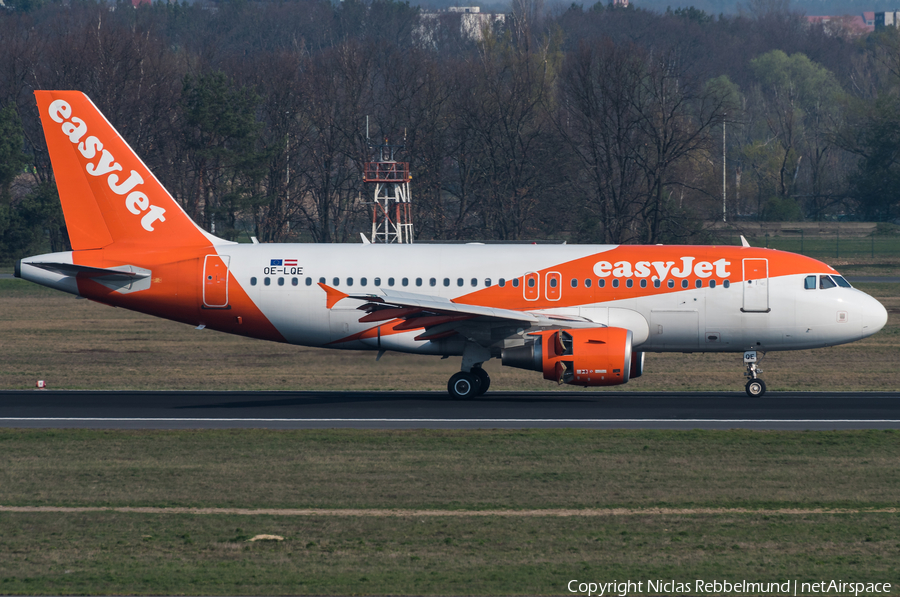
[(582, 357)]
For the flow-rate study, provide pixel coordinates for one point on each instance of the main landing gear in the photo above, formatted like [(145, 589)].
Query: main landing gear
[(755, 387), (469, 384), (472, 381)]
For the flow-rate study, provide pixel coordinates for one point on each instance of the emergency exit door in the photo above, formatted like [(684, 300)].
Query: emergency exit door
[(756, 286), (215, 281)]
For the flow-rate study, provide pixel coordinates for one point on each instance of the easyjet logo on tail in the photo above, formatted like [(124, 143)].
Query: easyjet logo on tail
[(644, 269), (136, 201)]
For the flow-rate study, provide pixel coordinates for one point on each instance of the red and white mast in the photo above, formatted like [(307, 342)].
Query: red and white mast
[(391, 213)]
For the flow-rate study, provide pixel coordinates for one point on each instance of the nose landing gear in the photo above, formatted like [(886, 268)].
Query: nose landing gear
[(755, 387)]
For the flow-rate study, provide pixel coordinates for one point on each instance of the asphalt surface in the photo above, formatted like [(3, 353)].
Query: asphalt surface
[(436, 410)]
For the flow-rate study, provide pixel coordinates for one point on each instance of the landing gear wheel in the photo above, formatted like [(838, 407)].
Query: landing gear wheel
[(484, 380), (756, 388), (463, 385)]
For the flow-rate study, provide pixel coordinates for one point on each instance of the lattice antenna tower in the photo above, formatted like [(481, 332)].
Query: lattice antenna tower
[(391, 213)]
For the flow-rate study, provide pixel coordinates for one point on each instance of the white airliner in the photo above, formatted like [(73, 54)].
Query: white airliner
[(581, 315)]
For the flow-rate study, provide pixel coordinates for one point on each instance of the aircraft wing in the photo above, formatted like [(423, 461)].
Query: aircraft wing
[(442, 317)]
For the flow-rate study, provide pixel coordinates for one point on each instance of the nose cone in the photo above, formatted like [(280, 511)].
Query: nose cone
[(874, 316)]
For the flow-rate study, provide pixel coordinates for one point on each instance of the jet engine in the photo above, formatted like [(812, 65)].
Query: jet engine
[(581, 357)]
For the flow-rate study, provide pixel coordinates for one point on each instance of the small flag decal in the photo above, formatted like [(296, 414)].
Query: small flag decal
[(275, 262)]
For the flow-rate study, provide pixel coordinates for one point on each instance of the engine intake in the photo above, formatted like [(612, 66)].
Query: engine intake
[(581, 357)]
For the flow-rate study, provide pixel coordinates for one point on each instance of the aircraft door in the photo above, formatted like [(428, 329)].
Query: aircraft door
[(215, 281), (532, 286), (553, 286), (756, 286)]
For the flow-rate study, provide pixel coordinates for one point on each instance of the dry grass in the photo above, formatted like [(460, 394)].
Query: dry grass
[(78, 344)]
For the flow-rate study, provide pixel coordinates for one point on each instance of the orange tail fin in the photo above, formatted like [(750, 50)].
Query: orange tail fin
[(108, 194)]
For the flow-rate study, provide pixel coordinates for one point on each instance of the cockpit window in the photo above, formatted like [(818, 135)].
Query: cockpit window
[(809, 283), (841, 281), (826, 282)]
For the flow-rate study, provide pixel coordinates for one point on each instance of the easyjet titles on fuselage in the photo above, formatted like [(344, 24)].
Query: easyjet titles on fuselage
[(136, 202), (660, 269)]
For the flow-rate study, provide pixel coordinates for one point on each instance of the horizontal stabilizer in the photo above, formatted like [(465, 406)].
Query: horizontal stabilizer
[(123, 273)]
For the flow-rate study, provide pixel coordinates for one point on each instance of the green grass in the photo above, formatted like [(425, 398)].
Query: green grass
[(79, 344), (201, 553), (454, 470), (830, 247), (141, 554)]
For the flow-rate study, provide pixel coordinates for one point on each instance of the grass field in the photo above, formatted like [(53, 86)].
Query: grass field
[(588, 505), (762, 506)]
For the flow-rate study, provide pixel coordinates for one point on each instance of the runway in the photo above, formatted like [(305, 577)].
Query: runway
[(436, 410)]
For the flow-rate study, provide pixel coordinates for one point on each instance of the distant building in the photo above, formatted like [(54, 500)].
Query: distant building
[(471, 21), (887, 19), (854, 26)]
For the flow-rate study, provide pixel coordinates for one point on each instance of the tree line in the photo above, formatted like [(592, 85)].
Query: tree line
[(588, 124)]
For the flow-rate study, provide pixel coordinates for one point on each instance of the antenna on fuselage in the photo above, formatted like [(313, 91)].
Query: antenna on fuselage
[(744, 242)]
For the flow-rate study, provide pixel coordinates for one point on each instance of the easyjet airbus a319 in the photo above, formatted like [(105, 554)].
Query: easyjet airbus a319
[(581, 315)]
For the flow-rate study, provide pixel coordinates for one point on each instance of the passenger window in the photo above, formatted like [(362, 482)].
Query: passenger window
[(487, 282), (515, 283), (294, 281), (432, 282), (405, 281), (321, 280), (643, 283), (418, 281), (670, 283), (446, 281), (267, 281), (552, 282), (587, 282), (377, 281), (363, 281), (616, 283), (629, 282), (657, 283), (281, 281), (684, 283), (712, 283), (574, 282), (252, 281), (390, 281), (474, 282), (501, 282), (459, 282), (726, 283), (601, 282), (699, 283), (309, 281), (336, 282), (826, 282), (841, 282), (349, 281), (809, 283), (530, 282)]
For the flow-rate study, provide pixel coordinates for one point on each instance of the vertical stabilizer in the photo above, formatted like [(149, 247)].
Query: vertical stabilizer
[(108, 194)]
